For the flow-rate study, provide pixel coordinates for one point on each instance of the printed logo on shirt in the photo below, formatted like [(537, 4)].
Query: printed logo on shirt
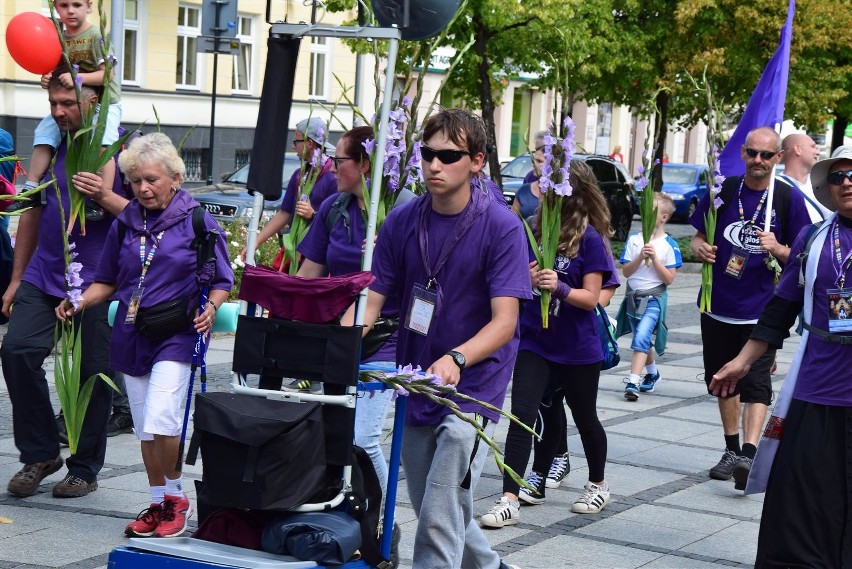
[(741, 234), (561, 264)]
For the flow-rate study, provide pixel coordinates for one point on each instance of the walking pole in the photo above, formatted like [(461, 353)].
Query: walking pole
[(196, 357)]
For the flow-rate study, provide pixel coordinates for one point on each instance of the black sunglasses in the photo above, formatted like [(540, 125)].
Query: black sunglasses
[(764, 154), (298, 141), (338, 159), (837, 178), (445, 156)]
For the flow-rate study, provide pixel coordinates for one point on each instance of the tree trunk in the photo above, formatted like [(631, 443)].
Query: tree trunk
[(486, 99), (661, 130), (838, 131)]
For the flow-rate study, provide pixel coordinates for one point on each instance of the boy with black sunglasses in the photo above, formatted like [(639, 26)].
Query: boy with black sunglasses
[(742, 285), (457, 260)]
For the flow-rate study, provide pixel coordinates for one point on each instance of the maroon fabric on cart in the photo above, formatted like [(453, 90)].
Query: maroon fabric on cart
[(317, 300)]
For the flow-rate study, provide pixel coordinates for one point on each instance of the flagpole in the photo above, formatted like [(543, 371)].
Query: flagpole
[(769, 198)]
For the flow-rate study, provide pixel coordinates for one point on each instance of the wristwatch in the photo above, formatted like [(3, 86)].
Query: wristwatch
[(458, 358)]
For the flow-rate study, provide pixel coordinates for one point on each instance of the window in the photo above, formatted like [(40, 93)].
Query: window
[(188, 30), (195, 160), (243, 61), (130, 64), (241, 158), (319, 68)]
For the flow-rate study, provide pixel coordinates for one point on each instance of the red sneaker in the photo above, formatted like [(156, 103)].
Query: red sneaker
[(175, 516), (146, 522)]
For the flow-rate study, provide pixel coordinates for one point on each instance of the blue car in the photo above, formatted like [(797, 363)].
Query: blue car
[(686, 184)]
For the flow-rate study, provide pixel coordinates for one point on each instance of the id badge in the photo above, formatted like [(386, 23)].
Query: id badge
[(133, 307), (736, 264), (421, 309), (839, 309)]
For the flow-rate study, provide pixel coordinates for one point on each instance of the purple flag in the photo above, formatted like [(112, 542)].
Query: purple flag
[(766, 105)]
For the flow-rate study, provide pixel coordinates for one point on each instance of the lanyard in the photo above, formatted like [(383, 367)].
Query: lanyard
[(143, 258), (842, 265), (756, 210)]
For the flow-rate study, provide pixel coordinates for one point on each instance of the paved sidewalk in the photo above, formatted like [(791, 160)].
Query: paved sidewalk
[(665, 512)]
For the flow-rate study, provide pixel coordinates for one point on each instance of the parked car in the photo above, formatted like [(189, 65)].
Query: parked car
[(613, 180), (686, 184), (228, 200)]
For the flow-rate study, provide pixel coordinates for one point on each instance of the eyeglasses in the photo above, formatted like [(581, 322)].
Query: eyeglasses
[(338, 159), (446, 156), (298, 141), (838, 177), (764, 154)]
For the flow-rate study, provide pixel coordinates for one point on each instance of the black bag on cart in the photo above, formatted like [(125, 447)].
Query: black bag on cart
[(258, 453)]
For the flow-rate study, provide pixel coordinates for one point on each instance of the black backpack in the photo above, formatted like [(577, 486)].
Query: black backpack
[(364, 503)]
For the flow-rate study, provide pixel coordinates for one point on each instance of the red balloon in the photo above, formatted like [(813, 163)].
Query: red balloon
[(33, 43)]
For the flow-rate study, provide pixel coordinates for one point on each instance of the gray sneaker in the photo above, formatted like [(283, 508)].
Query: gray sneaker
[(724, 469), (741, 470)]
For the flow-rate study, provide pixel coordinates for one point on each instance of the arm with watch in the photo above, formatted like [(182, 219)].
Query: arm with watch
[(499, 330)]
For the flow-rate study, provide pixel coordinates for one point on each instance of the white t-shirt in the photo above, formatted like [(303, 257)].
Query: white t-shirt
[(816, 210), (645, 276)]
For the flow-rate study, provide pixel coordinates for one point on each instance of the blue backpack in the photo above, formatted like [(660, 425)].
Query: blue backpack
[(606, 333)]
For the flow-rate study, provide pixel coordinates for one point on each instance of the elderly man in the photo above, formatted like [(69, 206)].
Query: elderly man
[(800, 155), (805, 521), (742, 285), (37, 286)]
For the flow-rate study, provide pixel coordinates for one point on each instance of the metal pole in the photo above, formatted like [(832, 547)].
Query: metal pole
[(375, 190), (217, 31)]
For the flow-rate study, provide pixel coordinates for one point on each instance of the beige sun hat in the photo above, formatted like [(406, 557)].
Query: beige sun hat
[(820, 172)]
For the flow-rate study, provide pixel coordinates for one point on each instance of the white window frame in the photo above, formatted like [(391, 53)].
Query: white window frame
[(246, 45), (320, 50), (134, 26), (183, 34)]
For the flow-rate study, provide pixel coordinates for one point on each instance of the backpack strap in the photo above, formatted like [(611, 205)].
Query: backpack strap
[(340, 208), (813, 230)]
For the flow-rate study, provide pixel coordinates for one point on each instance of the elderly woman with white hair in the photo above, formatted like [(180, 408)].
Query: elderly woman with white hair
[(149, 265)]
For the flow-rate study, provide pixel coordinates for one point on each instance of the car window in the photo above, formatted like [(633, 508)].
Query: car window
[(678, 175), (604, 171), (291, 164), (518, 167), (621, 172), (702, 178)]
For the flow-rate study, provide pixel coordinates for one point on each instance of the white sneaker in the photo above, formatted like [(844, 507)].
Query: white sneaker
[(592, 500), (503, 513), (559, 469)]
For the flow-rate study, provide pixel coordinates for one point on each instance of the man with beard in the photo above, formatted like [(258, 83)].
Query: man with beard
[(742, 285)]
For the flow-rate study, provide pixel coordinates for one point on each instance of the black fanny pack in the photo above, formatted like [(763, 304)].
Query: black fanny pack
[(164, 320), (381, 331)]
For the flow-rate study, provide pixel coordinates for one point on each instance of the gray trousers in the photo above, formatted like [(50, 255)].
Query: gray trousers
[(443, 463)]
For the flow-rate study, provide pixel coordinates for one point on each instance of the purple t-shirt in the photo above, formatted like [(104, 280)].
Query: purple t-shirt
[(340, 252), (46, 269), (171, 275), (822, 377), (572, 336), (489, 261), (733, 231), (531, 177), (325, 186)]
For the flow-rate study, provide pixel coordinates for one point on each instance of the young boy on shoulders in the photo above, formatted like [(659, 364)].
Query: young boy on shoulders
[(649, 268), (86, 51)]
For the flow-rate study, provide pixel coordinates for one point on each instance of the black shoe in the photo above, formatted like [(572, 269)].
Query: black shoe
[(741, 470), (536, 495), (724, 470), (119, 424), (63, 434)]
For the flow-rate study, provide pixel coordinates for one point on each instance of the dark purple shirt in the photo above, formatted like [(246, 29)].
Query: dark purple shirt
[(572, 336), (171, 275), (731, 231), (46, 269), (531, 177), (340, 252), (823, 377), (325, 186), (489, 261)]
